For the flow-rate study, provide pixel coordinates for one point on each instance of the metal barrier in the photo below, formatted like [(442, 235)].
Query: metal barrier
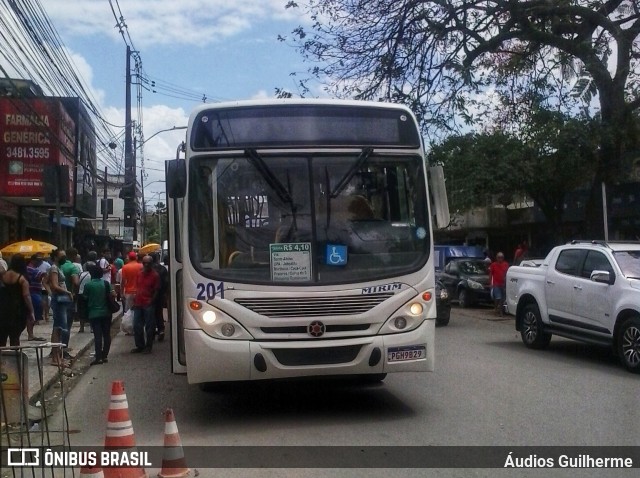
[(24, 424)]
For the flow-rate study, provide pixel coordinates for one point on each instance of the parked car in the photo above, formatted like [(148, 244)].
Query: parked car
[(586, 291), (466, 280), (444, 253), (443, 305)]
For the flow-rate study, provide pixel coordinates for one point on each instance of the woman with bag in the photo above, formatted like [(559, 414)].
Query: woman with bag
[(97, 293), (15, 299), (61, 306)]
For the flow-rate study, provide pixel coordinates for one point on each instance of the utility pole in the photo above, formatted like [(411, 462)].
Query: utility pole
[(58, 180), (129, 161), (105, 208), (143, 223)]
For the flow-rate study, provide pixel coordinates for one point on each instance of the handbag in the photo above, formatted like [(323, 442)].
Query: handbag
[(112, 303)]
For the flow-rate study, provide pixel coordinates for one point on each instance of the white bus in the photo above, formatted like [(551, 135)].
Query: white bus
[(301, 242)]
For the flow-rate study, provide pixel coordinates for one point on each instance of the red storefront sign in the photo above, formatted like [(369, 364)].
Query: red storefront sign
[(36, 132)]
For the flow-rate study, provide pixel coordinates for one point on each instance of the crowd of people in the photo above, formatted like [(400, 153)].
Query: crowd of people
[(62, 289)]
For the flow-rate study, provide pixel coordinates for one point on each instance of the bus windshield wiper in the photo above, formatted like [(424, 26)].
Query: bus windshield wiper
[(274, 183), (364, 155), (257, 162)]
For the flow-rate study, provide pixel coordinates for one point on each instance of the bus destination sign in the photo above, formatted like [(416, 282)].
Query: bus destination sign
[(290, 262)]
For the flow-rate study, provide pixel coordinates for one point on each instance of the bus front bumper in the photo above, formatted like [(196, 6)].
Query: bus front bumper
[(214, 360)]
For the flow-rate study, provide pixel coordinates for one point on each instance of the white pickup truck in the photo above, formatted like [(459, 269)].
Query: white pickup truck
[(587, 291)]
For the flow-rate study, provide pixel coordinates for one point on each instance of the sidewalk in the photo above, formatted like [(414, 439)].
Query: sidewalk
[(80, 345)]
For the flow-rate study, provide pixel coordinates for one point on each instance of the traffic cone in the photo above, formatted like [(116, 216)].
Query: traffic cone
[(119, 434), (173, 463), (91, 472)]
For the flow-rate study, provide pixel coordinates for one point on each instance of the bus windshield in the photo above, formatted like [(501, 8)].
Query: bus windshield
[(299, 219)]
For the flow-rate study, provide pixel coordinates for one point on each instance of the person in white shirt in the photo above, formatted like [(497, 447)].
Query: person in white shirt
[(105, 265), (85, 277), (3, 264), (46, 291)]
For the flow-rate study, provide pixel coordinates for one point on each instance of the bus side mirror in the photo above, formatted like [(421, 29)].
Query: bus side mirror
[(439, 196), (176, 174)]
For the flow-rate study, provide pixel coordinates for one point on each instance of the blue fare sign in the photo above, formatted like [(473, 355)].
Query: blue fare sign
[(336, 255), (376, 289)]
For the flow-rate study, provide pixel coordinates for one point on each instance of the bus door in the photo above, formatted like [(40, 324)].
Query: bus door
[(176, 302)]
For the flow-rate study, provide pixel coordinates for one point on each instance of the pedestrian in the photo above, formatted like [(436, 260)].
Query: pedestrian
[(81, 303), (521, 253), (116, 277), (34, 276), (144, 321), (15, 298), (118, 261), (498, 277), (95, 292), (61, 304), (161, 299), (46, 292), (3, 264), (487, 256), (71, 274), (128, 279), (105, 265)]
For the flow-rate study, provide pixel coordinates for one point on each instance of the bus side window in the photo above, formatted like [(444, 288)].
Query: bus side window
[(203, 217)]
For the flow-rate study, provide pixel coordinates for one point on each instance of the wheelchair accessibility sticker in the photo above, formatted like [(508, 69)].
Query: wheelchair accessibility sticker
[(335, 255)]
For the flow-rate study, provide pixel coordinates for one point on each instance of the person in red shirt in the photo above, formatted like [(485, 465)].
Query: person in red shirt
[(521, 253), (498, 276), (128, 279), (144, 319)]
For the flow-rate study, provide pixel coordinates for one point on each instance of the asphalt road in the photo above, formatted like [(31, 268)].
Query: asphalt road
[(488, 389)]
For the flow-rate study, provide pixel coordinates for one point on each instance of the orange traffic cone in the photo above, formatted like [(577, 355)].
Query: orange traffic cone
[(119, 434), (173, 463), (91, 472)]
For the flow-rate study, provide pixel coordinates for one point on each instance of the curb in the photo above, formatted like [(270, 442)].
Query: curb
[(56, 377)]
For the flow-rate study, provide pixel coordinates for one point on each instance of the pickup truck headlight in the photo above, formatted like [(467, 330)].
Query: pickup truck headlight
[(475, 285)]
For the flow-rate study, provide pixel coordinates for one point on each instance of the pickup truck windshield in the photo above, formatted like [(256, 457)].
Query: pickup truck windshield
[(629, 262)]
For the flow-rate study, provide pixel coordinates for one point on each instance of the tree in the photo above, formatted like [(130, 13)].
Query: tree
[(156, 224), (439, 56), (550, 156)]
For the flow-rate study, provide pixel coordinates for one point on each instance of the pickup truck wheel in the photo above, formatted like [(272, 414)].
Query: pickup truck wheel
[(629, 344), (532, 332), (464, 298)]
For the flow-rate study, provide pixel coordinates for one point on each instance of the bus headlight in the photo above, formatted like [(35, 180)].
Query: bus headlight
[(410, 316), (219, 325), (400, 323), (209, 317), (228, 330)]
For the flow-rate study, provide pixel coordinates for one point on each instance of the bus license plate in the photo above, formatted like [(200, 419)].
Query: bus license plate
[(401, 354)]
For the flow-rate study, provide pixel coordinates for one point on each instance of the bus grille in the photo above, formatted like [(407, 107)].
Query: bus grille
[(317, 356), (314, 306), (302, 329)]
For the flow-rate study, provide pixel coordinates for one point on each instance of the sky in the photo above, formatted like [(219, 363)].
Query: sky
[(224, 49)]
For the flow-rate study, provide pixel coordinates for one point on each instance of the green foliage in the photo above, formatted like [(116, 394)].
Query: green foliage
[(549, 155), (441, 57)]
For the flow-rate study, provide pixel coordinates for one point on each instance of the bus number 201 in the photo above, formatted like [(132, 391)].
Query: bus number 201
[(209, 290)]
